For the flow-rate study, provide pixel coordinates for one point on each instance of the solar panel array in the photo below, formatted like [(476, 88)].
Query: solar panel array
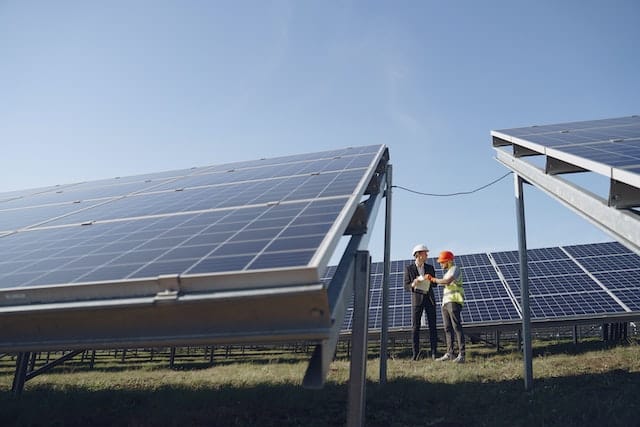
[(615, 142), (610, 147), (269, 214), (565, 283)]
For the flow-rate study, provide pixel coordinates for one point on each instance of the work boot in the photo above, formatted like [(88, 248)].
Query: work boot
[(444, 358)]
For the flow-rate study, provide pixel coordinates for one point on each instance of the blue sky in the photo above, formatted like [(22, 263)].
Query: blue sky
[(95, 90)]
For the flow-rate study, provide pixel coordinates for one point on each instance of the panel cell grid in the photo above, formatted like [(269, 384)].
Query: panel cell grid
[(541, 269), (480, 273), (508, 257), (400, 316), (630, 297), (595, 249), (493, 310), (567, 305), (484, 290), (472, 260), (556, 284), (181, 244), (620, 280), (617, 263)]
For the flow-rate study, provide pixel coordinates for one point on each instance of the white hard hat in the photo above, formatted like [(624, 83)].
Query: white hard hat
[(418, 248)]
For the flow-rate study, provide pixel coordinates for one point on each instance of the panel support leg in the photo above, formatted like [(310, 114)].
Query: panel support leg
[(384, 327), (172, 358), (358, 366), (22, 363), (524, 284)]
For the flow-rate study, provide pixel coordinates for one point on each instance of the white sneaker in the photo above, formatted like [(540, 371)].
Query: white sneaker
[(459, 359), (444, 358)]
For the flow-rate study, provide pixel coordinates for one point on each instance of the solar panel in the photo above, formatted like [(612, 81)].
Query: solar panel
[(581, 132), (610, 147), (245, 219)]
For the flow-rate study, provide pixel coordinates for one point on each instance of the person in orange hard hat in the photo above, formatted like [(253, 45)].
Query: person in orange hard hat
[(452, 302), (422, 298)]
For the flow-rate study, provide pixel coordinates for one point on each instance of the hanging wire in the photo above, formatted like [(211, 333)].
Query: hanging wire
[(452, 194)]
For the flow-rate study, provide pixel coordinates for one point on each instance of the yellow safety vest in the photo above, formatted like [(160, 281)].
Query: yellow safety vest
[(453, 292)]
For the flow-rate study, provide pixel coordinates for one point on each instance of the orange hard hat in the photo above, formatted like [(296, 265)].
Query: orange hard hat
[(445, 256)]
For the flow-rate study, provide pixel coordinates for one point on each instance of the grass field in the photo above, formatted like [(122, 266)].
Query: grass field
[(589, 384)]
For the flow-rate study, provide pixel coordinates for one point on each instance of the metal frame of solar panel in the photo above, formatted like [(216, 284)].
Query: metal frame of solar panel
[(225, 253), (609, 147), (567, 285)]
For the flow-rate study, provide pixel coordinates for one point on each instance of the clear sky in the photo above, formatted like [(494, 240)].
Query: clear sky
[(92, 90)]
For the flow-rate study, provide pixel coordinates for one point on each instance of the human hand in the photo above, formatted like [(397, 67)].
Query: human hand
[(430, 278)]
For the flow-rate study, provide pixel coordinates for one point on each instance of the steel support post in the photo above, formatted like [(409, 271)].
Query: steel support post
[(524, 284), (358, 366), (172, 358), (384, 328), (22, 363)]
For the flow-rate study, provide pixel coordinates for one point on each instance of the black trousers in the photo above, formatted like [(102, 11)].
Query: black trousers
[(430, 308)]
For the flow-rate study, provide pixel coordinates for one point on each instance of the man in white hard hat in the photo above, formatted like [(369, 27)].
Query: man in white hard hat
[(422, 298)]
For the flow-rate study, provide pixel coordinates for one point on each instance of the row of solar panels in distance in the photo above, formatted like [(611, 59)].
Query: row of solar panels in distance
[(561, 285)]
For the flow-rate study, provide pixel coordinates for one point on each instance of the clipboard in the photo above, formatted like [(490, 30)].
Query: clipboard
[(423, 285)]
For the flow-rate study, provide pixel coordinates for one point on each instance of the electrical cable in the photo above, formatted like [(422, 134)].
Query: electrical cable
[(452, 194)]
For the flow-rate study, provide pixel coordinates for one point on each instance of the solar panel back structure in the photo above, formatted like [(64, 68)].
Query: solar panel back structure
[(607, 147), (221, 254)]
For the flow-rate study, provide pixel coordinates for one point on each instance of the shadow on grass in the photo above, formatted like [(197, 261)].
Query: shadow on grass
[(554, 347), (583, 400), (180, 364)]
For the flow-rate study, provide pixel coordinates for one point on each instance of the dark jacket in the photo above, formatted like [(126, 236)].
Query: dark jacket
[(410, 273)]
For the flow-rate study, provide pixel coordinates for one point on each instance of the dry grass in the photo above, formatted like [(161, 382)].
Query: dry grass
[(588, 384)]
